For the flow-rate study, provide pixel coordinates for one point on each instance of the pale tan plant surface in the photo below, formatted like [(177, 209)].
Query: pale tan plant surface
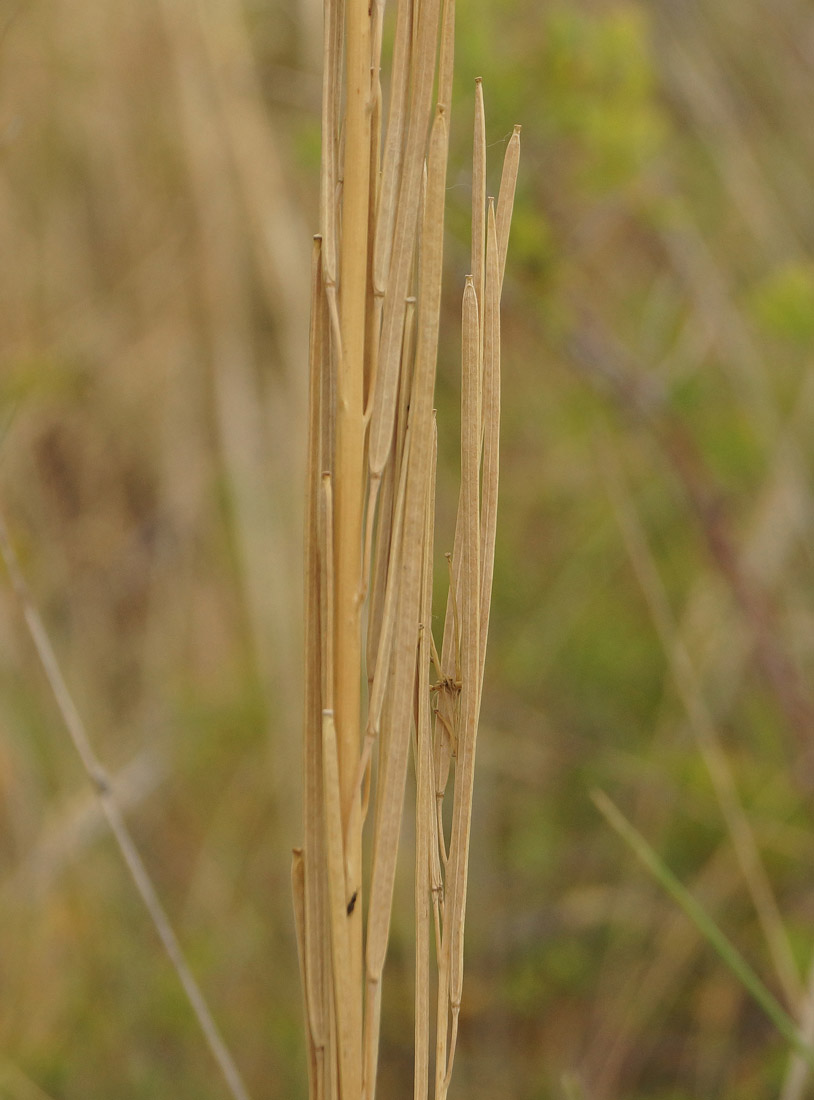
[(376, 314)]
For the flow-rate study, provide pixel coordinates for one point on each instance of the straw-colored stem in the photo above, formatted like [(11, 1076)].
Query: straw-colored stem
[(298, 894), (373, 303), (382, 669), (350, 386), (329, 176), (424, 806), (445, 746), (406, 219), (465, 719), (406, 628), (446, 61), (491, 429), (347, 1034), (393, 147), (470, 649), (316, 962), (479, 202), (348, 486), (369, 540)]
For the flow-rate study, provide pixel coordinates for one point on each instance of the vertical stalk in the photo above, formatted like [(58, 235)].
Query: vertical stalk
[(348, 487), (315, 956), (374, 350), (425, 809)]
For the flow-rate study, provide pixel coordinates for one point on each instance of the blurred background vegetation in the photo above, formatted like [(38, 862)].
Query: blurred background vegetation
[(157, 197)]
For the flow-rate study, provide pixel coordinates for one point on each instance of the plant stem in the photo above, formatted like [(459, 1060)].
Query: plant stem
[(348, 484), (728, 953)]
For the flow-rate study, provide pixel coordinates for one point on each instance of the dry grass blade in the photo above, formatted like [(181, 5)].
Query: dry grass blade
[(314, 902), (393, 149), (350, 378), (348, 490), (382, 669), (381, 565), (448, 695), (449, 688), (349, 1077), (425, 809), (386, 542), (470, 660), (491, 428), (110, 807), (298, 893), (373, 301), (339, 913), (406, 629), (505, 198), (405, 382), (388, 180), (329, 177), (374, 350), (459, 689), (479, 199), (395, 304), (446, 60)]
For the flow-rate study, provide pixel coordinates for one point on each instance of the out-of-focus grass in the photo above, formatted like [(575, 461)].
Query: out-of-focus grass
[(156, 202), (150, 473)]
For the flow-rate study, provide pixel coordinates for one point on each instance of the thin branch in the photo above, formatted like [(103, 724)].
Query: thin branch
[(110, 807), (726, 951)]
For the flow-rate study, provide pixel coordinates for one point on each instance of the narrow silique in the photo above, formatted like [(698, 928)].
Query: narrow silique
[(378, 690)]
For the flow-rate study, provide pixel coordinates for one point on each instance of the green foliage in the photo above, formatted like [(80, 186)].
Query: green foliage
[(597, 93), (783, 303)]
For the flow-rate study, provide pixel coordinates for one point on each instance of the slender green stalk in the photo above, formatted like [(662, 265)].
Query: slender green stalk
[(726, 951), (706, 734)]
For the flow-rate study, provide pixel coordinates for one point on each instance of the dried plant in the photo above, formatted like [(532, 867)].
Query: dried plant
[(376, 306)]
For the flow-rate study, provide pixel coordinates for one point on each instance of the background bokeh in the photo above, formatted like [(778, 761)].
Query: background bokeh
[(158, 171)]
